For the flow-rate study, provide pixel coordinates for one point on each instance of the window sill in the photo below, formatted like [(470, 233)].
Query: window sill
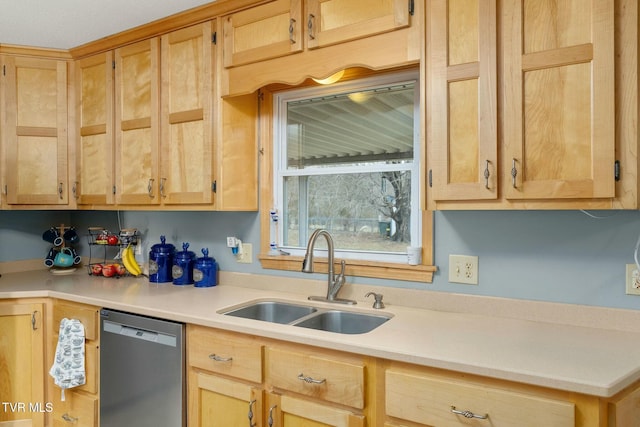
[(380, 270)]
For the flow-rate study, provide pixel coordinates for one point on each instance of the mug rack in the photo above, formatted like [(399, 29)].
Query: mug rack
[(62, 239)]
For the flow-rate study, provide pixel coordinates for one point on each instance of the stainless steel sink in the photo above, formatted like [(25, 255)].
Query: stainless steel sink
[(307, 316), (343, 322), (272, 311)]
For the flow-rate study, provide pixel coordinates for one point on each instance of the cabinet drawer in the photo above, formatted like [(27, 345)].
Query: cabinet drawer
[(78, 410), (428, 400), (335, 379), (86, 314), (224, 352)]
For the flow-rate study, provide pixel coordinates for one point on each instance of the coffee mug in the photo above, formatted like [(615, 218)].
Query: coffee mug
[(52, 236), (50, 258), (74, 254), (71, 235), (64, 258)]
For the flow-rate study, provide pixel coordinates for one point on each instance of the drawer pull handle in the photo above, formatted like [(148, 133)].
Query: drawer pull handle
[(270, 419), (68, 418), (514, 173), (219, 358), (251, 424), (310, 380), (469, 414)]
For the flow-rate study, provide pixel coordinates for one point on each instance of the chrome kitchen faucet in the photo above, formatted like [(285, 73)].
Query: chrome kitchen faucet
[(334, 283)]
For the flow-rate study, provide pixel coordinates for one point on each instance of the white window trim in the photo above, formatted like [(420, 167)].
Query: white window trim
[(280, 159)]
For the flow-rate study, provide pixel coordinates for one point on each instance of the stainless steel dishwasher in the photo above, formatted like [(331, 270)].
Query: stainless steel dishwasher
[(142, 368)]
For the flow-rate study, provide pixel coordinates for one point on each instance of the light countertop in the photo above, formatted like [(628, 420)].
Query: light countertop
[(580, 357)]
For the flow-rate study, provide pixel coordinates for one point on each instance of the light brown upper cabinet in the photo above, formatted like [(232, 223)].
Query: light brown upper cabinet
[(461, 105), (35, 131), (284, 27), (95, 147), (558, 99), (263, 32), (137, 123), (289, 41), (186, 110), (544, 130)]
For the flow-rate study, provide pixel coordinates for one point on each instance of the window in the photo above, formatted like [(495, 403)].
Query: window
[(346, 159)]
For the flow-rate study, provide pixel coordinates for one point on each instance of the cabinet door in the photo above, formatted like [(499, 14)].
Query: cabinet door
[(21, 361), (462, 107), (289, 411), (334, 21), (558, 99), (263, 32), (187, 144), (36, 131), (137, 127), (94, 149), (220, 402)]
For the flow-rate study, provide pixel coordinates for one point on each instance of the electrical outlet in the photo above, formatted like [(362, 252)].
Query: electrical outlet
[(463, 269), (138, 247), (245, 254), (632, 280)]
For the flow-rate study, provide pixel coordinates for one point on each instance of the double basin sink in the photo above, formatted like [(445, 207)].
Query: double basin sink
[(308, 316)]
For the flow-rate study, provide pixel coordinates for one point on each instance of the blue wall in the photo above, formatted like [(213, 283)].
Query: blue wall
[(561, 256)]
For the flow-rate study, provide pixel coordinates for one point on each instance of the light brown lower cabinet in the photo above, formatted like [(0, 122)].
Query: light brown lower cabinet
[(80, 407), (21, 363), (282, 384)]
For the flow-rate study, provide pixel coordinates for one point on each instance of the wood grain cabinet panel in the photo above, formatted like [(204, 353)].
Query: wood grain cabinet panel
[(35, 131), (80, 406), (558, 99), (137, 126), (94, 140), (22, 361), (263, 32), (434, 402), (462, 103), (225, 353), (186, 116), (320, 376), (336, 21)]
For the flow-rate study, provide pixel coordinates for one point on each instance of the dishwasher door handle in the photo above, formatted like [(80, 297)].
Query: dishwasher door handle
[(138, 333)]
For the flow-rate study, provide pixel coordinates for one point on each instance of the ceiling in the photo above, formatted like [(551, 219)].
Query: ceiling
[(65, 24)]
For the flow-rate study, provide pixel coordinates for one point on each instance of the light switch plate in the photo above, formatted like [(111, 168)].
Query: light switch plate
[(245, 255)]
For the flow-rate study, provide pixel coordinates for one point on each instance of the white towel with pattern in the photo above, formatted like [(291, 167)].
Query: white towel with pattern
[(68, 366)]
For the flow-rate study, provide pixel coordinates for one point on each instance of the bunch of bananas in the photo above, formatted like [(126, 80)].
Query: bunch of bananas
[(129, 261)]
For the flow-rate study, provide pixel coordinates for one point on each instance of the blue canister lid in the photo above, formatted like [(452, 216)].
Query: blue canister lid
[(206, 260), (185, 254), (163, 247)]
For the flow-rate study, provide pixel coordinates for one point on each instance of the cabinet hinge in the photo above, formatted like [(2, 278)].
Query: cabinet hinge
[(214, 186), (4, 70), (113, 65), (113, 189), (616, 170), (411, 7), (214, 38), (6, 190), (430, 178)]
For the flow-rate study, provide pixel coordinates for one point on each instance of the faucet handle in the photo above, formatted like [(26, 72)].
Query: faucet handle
[(378, 299)]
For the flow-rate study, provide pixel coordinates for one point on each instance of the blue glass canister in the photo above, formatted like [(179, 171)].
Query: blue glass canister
[(205, 272), (182, 271), (161, 261)]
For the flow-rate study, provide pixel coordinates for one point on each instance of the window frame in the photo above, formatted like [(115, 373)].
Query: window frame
[(281, 170), (355, 268)]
